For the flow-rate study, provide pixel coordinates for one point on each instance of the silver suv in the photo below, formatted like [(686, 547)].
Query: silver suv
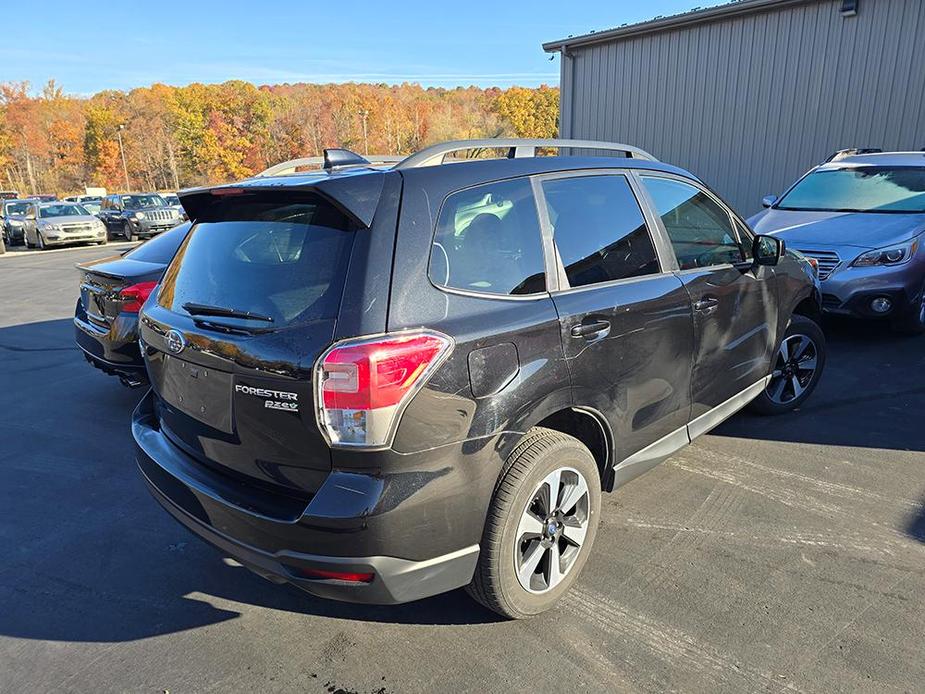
[(862, 219), (138, 215)]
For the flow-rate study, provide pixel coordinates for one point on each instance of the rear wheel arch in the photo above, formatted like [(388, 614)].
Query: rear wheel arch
[(588, 426)]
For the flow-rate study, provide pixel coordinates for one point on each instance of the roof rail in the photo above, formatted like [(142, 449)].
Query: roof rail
[(851, 152), (327, 162), (517, 148)]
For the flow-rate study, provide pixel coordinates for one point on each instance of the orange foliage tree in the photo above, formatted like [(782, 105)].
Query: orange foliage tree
[(201, 134)]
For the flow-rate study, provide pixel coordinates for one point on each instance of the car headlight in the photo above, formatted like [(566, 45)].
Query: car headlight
[(892, 255), (15, 222), (49, 227), (139, 215)]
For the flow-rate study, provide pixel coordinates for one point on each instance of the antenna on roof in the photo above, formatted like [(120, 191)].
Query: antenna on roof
[(334, 158)]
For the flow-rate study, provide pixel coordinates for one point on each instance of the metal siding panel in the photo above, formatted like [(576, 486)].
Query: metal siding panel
[(750, 102)]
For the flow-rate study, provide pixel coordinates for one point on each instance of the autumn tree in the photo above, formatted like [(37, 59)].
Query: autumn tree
[(200, 134)]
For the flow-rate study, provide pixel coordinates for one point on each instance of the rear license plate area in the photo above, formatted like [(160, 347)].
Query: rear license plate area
[(201, 393), (91, 300)]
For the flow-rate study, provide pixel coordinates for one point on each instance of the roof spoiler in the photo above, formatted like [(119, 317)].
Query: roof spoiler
[(355, 196)]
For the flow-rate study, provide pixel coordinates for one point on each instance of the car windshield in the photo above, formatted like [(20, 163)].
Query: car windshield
[(17, 208), (859, 189), (140, 202), (91, 207), (63, 210), (171, 199)]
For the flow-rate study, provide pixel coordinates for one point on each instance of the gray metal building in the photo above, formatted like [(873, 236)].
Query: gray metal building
[(750, 94)]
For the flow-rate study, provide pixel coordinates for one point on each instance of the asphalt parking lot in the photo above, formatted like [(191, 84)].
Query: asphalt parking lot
[(783, 554)]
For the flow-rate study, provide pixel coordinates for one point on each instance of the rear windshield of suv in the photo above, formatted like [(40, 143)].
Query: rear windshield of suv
[(859, 189), (273, 256)]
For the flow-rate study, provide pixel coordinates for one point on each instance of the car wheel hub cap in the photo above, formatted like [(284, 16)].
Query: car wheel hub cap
[(552, 530), (794, 369)]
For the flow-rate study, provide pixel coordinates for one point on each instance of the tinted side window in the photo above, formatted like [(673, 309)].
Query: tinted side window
[(488, 240), (599, 229), (701, 231)]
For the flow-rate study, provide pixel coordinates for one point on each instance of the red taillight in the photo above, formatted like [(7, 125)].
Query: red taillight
[(136, 295), (361, 385), (324, 575)]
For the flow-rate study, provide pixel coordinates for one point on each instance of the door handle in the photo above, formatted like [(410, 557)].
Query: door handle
[(706, 305), (591, 330)]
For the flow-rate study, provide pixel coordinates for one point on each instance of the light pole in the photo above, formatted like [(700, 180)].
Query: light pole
[(364, 114), (119, 130)]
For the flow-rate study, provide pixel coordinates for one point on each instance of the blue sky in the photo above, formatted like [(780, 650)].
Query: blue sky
[(90, 46)]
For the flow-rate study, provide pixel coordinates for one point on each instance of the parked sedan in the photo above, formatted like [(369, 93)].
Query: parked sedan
[(13, 213), (862, 218), (112, 291), (58, 223)]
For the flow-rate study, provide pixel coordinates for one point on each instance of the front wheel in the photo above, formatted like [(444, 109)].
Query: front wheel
[(796, 369), (128, 233), (41, 241), (540, 526)]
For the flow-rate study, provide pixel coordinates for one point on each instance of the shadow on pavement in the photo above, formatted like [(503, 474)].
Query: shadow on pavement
[(88, 554), (871, 395)]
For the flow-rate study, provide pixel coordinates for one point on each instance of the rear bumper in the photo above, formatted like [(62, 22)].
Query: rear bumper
[(114, 350), (273, 535)]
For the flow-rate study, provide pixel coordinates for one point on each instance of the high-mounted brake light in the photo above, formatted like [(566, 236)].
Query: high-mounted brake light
[(362, 386), (136, 295), (227, 191)]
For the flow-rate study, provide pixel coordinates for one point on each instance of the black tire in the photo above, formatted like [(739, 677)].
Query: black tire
[(128, 233), (40, 241), (767, 403), (495, 583), (912, 322)]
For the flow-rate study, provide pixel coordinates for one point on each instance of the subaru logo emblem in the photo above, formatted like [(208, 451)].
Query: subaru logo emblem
[(175, 341)]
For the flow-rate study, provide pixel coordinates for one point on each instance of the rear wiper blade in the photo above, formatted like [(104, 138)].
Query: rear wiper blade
[(233, 329), (206, 310)]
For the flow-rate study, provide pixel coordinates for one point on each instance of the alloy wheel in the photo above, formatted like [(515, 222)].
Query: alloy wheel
[(794, 369), (552, 530)]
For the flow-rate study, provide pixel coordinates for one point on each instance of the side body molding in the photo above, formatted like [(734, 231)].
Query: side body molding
[(653, 454)]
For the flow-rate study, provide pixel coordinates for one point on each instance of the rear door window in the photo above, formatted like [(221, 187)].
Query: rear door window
[(599, 229), (488, 240), (270, 255)]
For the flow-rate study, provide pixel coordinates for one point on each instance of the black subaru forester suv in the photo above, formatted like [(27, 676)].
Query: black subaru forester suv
[(379, 385)]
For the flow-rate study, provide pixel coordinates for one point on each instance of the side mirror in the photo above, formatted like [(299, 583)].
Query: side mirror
[(768, 250), (768, 200)]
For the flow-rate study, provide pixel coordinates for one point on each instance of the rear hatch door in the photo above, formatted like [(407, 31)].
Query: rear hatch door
[(243, 311)]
